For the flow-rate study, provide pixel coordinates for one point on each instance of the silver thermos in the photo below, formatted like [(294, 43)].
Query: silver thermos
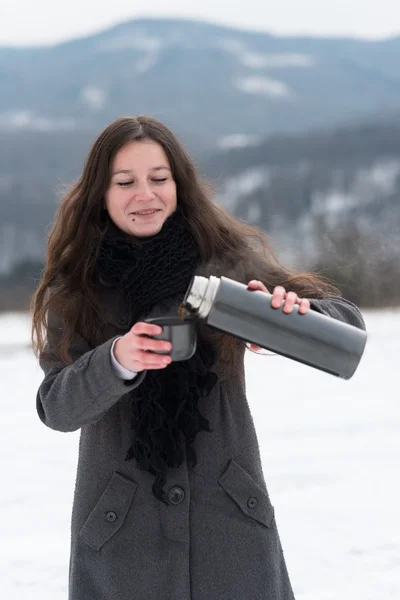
[(312, 339)]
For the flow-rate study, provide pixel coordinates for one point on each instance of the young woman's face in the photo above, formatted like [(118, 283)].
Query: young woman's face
[(142, 192)]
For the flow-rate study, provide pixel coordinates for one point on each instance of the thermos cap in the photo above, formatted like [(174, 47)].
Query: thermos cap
[(200, 295)]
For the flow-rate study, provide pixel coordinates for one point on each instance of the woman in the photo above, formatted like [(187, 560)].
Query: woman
[(170, 499)]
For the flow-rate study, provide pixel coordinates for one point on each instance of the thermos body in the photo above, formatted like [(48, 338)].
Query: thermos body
[(313, 339)]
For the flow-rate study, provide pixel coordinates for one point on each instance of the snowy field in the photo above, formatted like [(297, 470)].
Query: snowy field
[(331, 458)]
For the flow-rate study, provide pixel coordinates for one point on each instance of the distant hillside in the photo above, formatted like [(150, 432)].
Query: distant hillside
[(258, 112), (324, 196), (342, 174), (329, 200), (204, 80)]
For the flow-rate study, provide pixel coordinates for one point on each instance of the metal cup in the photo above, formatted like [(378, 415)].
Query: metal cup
[(181, 334)]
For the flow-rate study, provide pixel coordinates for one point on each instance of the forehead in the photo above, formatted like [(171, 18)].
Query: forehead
[(144, 153)]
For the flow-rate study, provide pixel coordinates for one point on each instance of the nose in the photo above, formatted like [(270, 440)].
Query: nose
[(143, 193)]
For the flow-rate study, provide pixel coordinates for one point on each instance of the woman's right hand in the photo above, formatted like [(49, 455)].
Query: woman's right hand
[(135, 351)]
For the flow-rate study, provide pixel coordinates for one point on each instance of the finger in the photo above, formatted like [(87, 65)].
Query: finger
[(304, 306), (259, 350), (142, 328), (278, 296), (138, 367), (148, 359), (146, 343), (257, 285), (290, 301), (154, 366), (254, 348)]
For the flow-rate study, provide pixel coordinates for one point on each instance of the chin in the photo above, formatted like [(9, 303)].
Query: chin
[(147, 230)]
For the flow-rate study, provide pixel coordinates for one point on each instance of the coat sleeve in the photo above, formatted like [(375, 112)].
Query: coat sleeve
[(339, 308), (71, 396)]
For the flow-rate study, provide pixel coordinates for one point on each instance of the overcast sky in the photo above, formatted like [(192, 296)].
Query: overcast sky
[(48, 21)]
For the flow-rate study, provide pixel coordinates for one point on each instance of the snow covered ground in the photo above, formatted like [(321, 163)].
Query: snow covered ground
[(330, 450)]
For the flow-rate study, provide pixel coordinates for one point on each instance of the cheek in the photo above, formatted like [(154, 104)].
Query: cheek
[(114, 199), (170, 196), (109, 198)]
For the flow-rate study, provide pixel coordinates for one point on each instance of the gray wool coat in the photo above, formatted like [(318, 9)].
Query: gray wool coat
[(218, 537)]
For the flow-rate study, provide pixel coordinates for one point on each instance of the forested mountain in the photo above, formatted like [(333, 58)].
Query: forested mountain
[(259, 113)]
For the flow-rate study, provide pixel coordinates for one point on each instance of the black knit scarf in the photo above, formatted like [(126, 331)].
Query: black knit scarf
[(166, 416)]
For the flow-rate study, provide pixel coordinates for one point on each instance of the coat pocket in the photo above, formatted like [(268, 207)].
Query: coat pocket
[(110, 512), (247, 494)]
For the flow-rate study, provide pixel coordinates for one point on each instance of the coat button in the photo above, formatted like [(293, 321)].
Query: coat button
[(252, 502), (122, 320), (176, 495), (111, 516)]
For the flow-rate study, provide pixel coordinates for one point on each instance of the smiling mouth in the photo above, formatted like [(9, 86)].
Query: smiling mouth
[(150, 211)]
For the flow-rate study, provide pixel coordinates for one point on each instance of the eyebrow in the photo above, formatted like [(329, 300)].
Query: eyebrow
[(128, 171)]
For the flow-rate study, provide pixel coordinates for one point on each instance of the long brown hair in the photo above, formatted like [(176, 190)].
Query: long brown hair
[(68, 283)]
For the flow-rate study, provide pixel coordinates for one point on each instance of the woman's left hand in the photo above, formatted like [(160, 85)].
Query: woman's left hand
[(278, 296)]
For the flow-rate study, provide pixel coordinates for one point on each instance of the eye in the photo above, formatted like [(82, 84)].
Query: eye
[(124, 183)]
